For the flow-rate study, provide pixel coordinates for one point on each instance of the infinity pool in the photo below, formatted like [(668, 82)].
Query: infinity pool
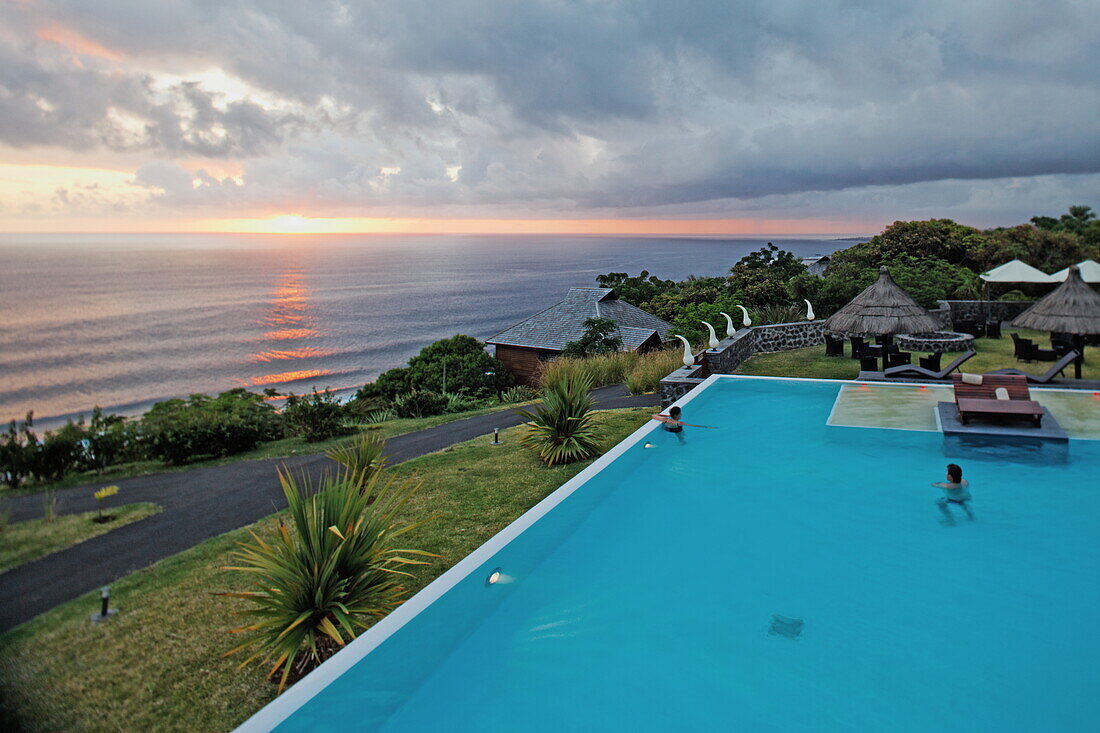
[(776, 573)]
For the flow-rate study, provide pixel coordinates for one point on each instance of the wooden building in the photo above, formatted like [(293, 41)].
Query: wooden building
[(542, 337)]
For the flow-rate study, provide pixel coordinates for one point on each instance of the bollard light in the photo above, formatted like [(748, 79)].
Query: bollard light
[(105, 610), (496, 437)]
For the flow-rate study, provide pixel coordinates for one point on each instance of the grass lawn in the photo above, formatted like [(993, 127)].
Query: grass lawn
[(158, 665), (273, 449), (992, 354), (26, 541)]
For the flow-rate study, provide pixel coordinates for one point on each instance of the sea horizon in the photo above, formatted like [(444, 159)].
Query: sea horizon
[(190, 313)]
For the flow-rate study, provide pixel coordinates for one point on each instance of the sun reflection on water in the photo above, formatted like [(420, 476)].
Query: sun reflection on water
[(289, 318)]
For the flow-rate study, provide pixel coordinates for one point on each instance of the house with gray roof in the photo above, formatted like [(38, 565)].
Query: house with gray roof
[(542, 337)]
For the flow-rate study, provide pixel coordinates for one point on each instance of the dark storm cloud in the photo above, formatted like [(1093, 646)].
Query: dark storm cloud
[(559, 105)]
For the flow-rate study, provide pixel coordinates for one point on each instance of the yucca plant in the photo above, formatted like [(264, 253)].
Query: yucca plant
[(361, 458), (562, 429), (328, 573), (380, 416)]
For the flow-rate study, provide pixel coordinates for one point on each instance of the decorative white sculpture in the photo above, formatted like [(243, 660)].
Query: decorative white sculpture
[(689, 358), (713, 342), (809, 311), (730, 328), (746, 321)]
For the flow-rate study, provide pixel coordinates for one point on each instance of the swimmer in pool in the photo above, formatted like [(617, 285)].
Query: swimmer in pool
[(673, 424), (956, 491)]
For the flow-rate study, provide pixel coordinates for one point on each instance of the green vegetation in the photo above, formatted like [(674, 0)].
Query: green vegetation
[(35, 538), (331, 571), (315, 417), (641, 372), (457, 365), (284, 447), (812, 362), (932, 260), (599, 337), (159, 664), (561, 429), (181, 431)]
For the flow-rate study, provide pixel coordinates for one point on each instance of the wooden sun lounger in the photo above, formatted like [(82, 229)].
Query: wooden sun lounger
[(909, 370), (978, 399), (1059, 366)]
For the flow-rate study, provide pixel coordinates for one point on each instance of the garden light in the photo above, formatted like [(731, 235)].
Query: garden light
[(496, 437), (105, 611)]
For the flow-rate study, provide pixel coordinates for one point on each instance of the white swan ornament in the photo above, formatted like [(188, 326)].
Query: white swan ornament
[(746, 321), (689, 358), (730, 328), (713, 342), (809, 311)]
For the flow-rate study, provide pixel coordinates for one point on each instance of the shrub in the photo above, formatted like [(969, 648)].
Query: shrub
[(112, 439), (316, 416), (17, 448), (178, 431), (561, 429), (457, 365), (778, 314), (59, 452), (379, 416), (420, 403), (519, 393), (647, 374), (462, 403), (598, 370), (361, 458), (327, 574)]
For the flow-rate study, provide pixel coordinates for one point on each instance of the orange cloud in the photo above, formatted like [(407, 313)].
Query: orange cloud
[(77, 43)]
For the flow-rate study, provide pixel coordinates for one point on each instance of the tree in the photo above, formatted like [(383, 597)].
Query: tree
[(760, 278), (600, 337), (635, 289), (456, 365)]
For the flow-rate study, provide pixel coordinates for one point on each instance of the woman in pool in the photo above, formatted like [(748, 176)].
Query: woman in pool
[(673, 423), (956, 490)]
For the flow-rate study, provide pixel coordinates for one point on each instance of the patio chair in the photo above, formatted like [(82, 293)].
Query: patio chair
[(1056, 370), (992, 329), (833, 346), (1028, 350), (994, 395), (899, 358), (930, 362), (909, 370), (858, 346), (868, 364)]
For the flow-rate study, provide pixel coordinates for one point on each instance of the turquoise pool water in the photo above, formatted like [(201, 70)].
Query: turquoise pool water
[(645, 601)]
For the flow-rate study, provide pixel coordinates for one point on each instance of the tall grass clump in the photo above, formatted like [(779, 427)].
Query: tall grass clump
[(599, 370), (562, 429), (329, 573), (651, 368)]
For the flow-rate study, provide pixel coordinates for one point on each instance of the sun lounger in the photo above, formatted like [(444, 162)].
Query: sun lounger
[(977, 395), (909, 370), (1059, 366)]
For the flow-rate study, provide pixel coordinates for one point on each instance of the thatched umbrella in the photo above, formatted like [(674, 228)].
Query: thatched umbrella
[(882, 309), (1073, 307)]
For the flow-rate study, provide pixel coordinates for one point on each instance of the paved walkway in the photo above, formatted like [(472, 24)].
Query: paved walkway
[(197, 505)]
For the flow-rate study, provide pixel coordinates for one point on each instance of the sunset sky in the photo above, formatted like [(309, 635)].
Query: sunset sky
[(723, 117)]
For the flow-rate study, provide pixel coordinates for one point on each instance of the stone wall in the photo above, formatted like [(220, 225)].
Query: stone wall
[(1000, 310), (732, 352)]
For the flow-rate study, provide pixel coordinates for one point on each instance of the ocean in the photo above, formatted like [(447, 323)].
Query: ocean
[(122, 321)]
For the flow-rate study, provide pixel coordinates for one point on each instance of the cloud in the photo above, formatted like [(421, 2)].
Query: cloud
[(610, 106)]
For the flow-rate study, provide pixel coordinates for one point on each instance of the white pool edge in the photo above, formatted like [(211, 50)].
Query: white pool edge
[(283, 706)]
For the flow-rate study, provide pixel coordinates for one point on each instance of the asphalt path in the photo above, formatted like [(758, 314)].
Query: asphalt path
[(199, 504)]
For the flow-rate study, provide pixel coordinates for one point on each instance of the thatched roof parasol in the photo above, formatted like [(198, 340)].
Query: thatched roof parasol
[(882, 308), (1073, 307)]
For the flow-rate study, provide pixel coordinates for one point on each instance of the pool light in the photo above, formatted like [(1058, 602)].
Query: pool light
[(494, 577)]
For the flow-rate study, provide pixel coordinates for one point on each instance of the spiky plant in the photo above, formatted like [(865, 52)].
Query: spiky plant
[(327, 574), (360, 458), (562, 429)]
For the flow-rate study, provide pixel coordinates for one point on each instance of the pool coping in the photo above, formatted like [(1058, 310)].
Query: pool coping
[(286, 704), (282, 707)]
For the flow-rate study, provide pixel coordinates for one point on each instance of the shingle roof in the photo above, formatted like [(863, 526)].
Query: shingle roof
[(563, 322)]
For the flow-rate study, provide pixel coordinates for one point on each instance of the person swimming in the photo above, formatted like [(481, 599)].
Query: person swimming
[(956, 491)]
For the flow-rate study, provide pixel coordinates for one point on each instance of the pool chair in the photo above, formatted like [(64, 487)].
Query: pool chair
[(833, 346), (1055, 370), (910, 371), (994, 396)]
